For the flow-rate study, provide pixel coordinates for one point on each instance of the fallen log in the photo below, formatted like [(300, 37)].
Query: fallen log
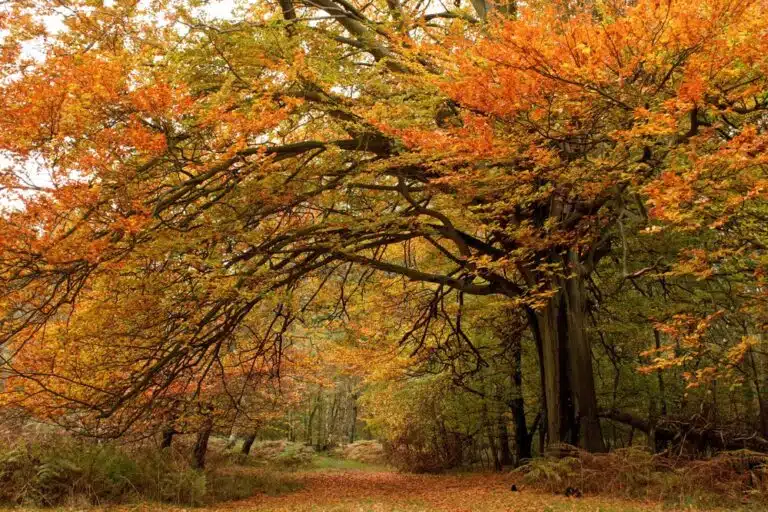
[(688, 431)]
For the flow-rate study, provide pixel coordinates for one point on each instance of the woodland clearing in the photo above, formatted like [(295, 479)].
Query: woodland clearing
[(331, 490), (329, 484)]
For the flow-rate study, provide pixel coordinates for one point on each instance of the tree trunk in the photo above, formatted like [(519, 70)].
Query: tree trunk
[(523, 439), (762, 402), (167, 440), (580, 356), (566, 363), (353, 423), (505, 453), (659, 376), (491, 440), (201, 445), (310, 421), (248, 443), (568, 422), (545, 329)]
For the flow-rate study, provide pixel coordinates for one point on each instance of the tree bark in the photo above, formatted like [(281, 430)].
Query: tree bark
[(568, 423), (505, 452), (580, 356), (248, 443), (497, 466), (167, 440), (201, 445), (545, 328), (353, 422), (566, 363), (523, 438), (716, 438), (762, 402)]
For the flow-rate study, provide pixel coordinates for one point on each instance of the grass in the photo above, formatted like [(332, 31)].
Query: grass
[(324, 462)]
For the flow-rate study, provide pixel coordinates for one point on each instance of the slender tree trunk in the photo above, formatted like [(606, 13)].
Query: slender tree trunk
[(659, 376), (248, 443), (505, 452), (310, 421), (523, 439), (201, 445), (653, 445), (568, 422), (353, 422), (321, 424), (762, 403), (491, 439), (167, 440)]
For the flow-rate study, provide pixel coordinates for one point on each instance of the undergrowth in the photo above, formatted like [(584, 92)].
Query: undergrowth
[(55, 471), (726, 479)]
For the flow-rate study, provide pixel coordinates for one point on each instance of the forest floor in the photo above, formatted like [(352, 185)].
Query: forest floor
[(340, 486), (330, 484)]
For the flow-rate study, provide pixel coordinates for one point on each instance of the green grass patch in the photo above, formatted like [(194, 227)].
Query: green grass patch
[(325, 462), (238, 485)]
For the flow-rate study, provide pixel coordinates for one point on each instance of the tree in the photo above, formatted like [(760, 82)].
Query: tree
[(221, 162)]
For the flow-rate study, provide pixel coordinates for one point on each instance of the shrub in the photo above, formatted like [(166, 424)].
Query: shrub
[(417, 452), (371, 452), (414, 459), (294, 456), (284, 454), (636, 473), (59, 470), (168, 477)]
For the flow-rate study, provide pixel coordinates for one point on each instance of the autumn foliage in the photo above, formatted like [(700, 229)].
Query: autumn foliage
[(473, 233)]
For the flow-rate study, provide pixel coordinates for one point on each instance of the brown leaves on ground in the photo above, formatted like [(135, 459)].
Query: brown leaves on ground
[(350, 491)]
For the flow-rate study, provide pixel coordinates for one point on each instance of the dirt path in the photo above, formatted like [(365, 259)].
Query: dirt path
[(348, 491)]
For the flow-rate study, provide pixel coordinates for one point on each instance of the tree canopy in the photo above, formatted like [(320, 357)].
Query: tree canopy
[(540, 204)]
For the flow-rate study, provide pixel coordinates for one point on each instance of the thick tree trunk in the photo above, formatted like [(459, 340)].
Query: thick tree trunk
[(545, 329), (201, 445), (566, 363), (580, 355)]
